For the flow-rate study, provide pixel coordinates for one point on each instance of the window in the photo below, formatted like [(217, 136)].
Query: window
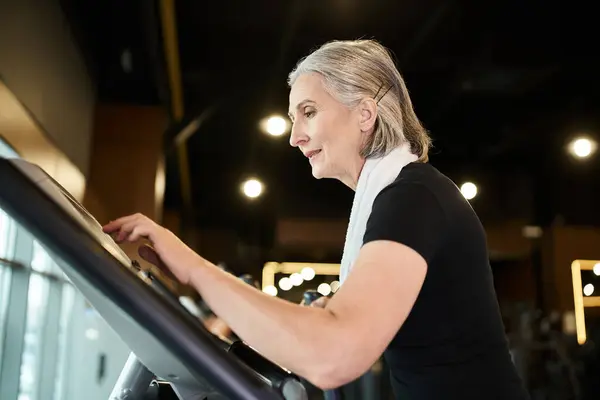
[(49, 334), (7, 235), (32, 349), (41, 261), (6, 150), (7, 241), (4, 287), (62, 365), (44, 325)]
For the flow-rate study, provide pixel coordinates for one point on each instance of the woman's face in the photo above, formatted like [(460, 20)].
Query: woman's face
[(329, 134)]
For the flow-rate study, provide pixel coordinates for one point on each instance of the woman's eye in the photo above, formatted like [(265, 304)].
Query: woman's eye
[(309, 114)]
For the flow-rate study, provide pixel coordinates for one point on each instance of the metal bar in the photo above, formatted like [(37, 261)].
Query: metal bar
[(171, 48), (18, 266), (12, 264), (133, 382), (578, 302), (170, 43), (591, 301)]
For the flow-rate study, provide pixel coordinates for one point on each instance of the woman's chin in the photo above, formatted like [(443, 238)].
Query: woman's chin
[(317, 172), (321, 169)]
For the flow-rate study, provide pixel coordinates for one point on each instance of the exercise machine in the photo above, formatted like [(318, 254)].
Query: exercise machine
[(173, 357), (308, 297)]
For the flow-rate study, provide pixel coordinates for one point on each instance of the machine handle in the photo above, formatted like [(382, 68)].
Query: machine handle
[(286, 383), (310, 296)]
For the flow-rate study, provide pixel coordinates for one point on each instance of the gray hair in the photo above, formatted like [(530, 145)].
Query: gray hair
[(355, 69)]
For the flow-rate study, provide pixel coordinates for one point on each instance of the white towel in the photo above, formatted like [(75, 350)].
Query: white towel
[(377, 174)]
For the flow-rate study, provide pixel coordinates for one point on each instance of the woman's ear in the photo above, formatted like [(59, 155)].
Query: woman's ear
[(368, 115)]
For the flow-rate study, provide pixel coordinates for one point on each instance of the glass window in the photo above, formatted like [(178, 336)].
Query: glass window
[(51, 324), (41, 261), (7, 235), (7, 240), (32, 347), (68, 300), (37, 300), (4, 286), (6, 150)]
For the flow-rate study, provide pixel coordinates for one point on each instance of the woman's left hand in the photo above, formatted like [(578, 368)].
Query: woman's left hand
[(166, 249)]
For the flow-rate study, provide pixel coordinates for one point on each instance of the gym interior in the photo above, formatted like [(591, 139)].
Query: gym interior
[(178, 110)]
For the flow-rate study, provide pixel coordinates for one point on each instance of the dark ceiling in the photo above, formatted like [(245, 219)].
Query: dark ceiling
[(501, 85)]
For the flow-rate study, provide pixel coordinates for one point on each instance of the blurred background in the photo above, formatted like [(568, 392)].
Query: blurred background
[(177, 109)]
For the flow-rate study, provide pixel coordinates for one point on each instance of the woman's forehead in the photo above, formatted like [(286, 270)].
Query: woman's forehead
[(308, 87)]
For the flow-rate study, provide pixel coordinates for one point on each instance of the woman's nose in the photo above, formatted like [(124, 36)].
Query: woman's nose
[(297, 136)]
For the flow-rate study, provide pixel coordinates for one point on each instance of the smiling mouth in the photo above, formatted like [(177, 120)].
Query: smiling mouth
[(311, 154)]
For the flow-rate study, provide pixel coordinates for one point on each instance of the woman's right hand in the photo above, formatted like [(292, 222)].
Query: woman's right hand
[(166, 250)]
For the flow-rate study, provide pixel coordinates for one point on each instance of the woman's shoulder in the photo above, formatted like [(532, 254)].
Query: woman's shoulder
[(415, 189), (421, 188), (422, 191), (409, 212), (418, 177), (419, 172)]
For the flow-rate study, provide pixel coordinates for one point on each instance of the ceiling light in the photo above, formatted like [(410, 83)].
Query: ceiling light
[(275, 125), (468, 190), (252, 188), (582, 147)]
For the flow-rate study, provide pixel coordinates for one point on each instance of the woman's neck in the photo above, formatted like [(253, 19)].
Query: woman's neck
[(350, 178)]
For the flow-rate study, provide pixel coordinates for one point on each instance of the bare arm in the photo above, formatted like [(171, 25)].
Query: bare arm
[(328, 346), (298, 337)]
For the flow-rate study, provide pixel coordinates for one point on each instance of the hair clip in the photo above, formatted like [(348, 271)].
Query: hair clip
[(384, 93)]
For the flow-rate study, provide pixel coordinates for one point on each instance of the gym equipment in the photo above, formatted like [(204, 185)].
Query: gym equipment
[(249, 279), (307, 298), (172, 355)]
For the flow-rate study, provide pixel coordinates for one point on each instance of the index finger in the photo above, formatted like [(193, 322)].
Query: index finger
[(115, 225)]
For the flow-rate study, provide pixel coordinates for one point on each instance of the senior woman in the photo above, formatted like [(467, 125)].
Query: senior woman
[(417, 285)]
